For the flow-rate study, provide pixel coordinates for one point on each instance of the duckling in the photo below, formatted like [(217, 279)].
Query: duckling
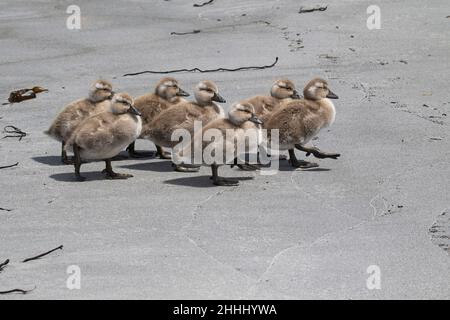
[(282, 89), (167, 93), (228, 134), (104, 135), (183, 115), (299, 121), (73, 114)]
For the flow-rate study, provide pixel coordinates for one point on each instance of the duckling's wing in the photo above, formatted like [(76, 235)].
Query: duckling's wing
[(69, 118), (95, 133), (150, 105)]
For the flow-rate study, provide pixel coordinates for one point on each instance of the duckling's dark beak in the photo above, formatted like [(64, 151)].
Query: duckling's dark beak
[(111, 95), (295, 95), (255, 119), (133, 110), (218, 98), (182, 93), (331, 95)]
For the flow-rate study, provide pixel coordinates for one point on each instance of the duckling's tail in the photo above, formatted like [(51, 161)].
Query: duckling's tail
[(51, 131)]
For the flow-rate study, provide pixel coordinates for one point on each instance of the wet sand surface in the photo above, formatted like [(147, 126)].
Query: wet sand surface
[(296, 234)]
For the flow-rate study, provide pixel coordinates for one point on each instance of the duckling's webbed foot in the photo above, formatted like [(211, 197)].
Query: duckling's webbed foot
[(67, 160), (185, 167), (138, 154), (220, 181), (248, 167), (162, 154), (316, 152), (300, 163), (110, 174)]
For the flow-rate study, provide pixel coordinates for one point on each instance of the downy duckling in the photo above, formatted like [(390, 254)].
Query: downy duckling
[(282, 90), (241, 128), (73, 114), (183, 115), (104, 135), (167, 94), (299, 121)]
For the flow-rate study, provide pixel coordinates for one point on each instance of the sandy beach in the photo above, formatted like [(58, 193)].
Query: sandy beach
[(293, 235)]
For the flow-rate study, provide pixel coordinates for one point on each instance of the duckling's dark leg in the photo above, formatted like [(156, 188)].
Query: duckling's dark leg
[(110, 174), (77, 162), (64, 158), (316, 152), (135, 154), (163, 154), (220, 181), (300, 163)]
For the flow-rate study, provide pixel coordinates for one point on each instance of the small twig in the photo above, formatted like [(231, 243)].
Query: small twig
[(16, 132), (10, 166), (312, 8), (184, 33), (4, 209), (204, 71), (3, 265), (17, 291), (43, 254), (203, 4)]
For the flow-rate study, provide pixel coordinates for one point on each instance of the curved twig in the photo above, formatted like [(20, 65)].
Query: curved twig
[(205, 70), (3, 265), (43, 254), (15, 132), (198, 5), (17, 291), (10, 166), (184, 33)]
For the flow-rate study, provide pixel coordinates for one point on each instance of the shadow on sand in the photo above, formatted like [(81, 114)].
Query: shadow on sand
[(158, 166), (199, 181), (49, 160), (70, 176)]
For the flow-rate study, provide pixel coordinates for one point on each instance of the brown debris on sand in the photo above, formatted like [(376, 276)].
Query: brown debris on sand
[(25, 94), (306, 9)]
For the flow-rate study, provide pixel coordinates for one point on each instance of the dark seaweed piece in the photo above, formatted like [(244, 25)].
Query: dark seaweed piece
[(204, 71), (184, 33), (198, 5), (14, 132), (17, 291), (9, 166), (43, 254)]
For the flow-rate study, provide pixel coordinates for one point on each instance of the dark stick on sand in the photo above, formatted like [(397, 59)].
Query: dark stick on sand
[(10, 166), (184, 33), (204, 71), (198, 5), (3, 265), (43, 254), (17, 291), (14, 132)]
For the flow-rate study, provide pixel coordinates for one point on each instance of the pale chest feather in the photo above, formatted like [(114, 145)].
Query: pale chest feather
[(329, 111), (138, 126)]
